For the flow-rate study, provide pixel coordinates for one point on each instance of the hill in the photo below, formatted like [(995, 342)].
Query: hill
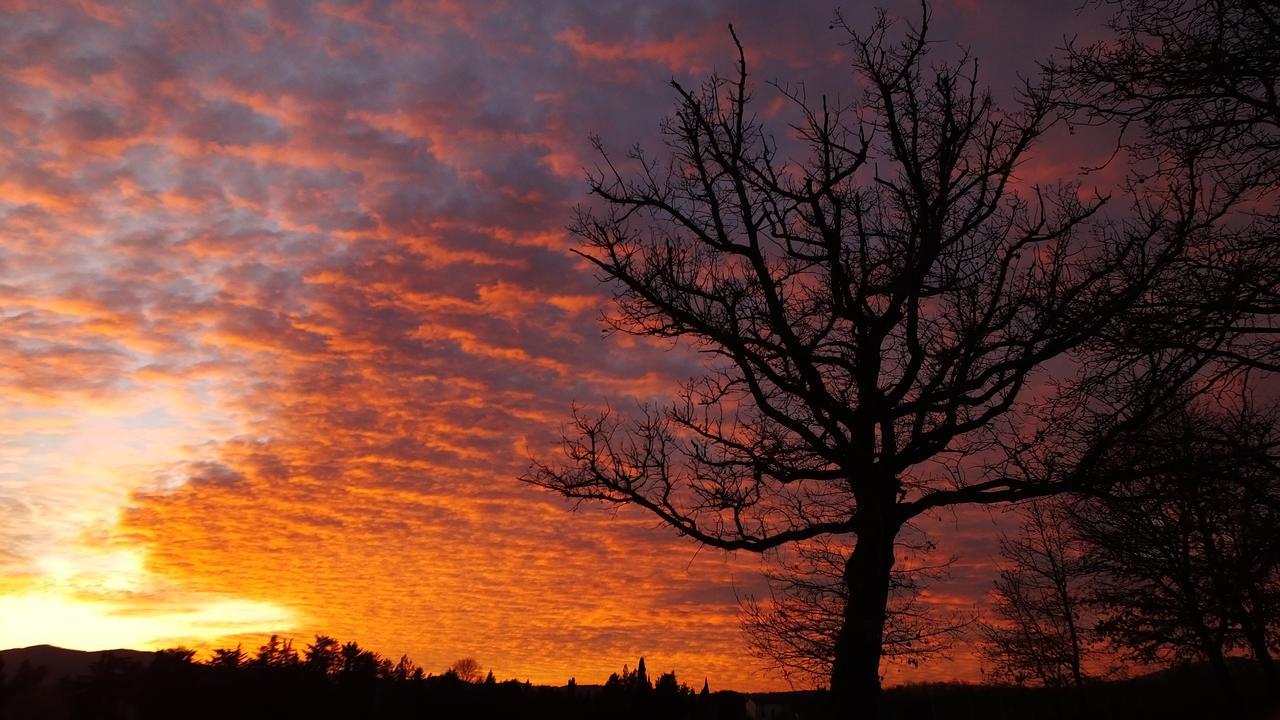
[(60, 663)]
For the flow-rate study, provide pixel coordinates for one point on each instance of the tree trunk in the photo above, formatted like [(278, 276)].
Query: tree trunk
[(1073, 635), (1218, 662), (1257, 640), (1256, 624), (855, 670)]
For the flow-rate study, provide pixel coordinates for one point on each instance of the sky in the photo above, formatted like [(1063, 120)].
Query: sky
[(286, 302)]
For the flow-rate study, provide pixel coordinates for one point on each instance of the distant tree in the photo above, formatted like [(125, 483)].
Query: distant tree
[(324, 656), (104, 691), (1186, 550), (641, 677), (795, 631), (466, 669), (630, 683), (228, 659), (405, 669), (1192, 86), (1040, 633), (873, 316), (491, 680), (667, 685), (175, 656), (360, 665), (277, 653)]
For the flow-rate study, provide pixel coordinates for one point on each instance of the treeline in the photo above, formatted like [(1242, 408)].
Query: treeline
[(332, 679)]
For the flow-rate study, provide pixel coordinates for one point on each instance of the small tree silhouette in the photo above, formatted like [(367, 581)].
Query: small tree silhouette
[(1039, 599), (277, 653), (641, 678), (360, 665), (324, 656), (406, 669), (466, 669), (667, 685), (228, 659)]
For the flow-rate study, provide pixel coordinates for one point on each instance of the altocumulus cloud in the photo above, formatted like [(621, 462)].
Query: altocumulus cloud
[(285, 293)]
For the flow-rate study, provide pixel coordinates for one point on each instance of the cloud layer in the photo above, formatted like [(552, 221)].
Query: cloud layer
[(285, 295)]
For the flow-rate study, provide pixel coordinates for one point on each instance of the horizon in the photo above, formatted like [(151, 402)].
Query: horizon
[(204, 658)]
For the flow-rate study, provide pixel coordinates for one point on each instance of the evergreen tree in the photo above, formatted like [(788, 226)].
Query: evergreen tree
[(227, 658), (323, 656), (641, 679), (667, 685), (277, 653)]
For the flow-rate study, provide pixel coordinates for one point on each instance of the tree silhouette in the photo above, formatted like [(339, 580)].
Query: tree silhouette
[(1038, 600), (467, 669), (873, 316), (1192, 85), (324, 656), (277, 653), (641, 677), (405, 669), (1186, 551), (361, 666), (667, 684), (228, 659), (174, 656), (796, 629)]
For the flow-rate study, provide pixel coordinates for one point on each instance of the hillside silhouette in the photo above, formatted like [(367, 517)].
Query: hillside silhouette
[(331, 679)]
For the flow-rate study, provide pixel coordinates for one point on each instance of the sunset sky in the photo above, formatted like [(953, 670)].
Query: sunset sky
[(287, 300)]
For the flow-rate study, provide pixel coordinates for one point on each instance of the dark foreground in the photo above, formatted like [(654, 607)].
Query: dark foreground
[(54, 684)]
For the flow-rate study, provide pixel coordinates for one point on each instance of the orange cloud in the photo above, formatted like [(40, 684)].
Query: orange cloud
[(286, 294)]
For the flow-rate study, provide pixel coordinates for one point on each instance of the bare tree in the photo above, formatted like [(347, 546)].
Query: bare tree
[(1193, 87), (1178, 71), (1038, 601), (1186, 555), (796, 628), (869, 313), (467, 669)]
